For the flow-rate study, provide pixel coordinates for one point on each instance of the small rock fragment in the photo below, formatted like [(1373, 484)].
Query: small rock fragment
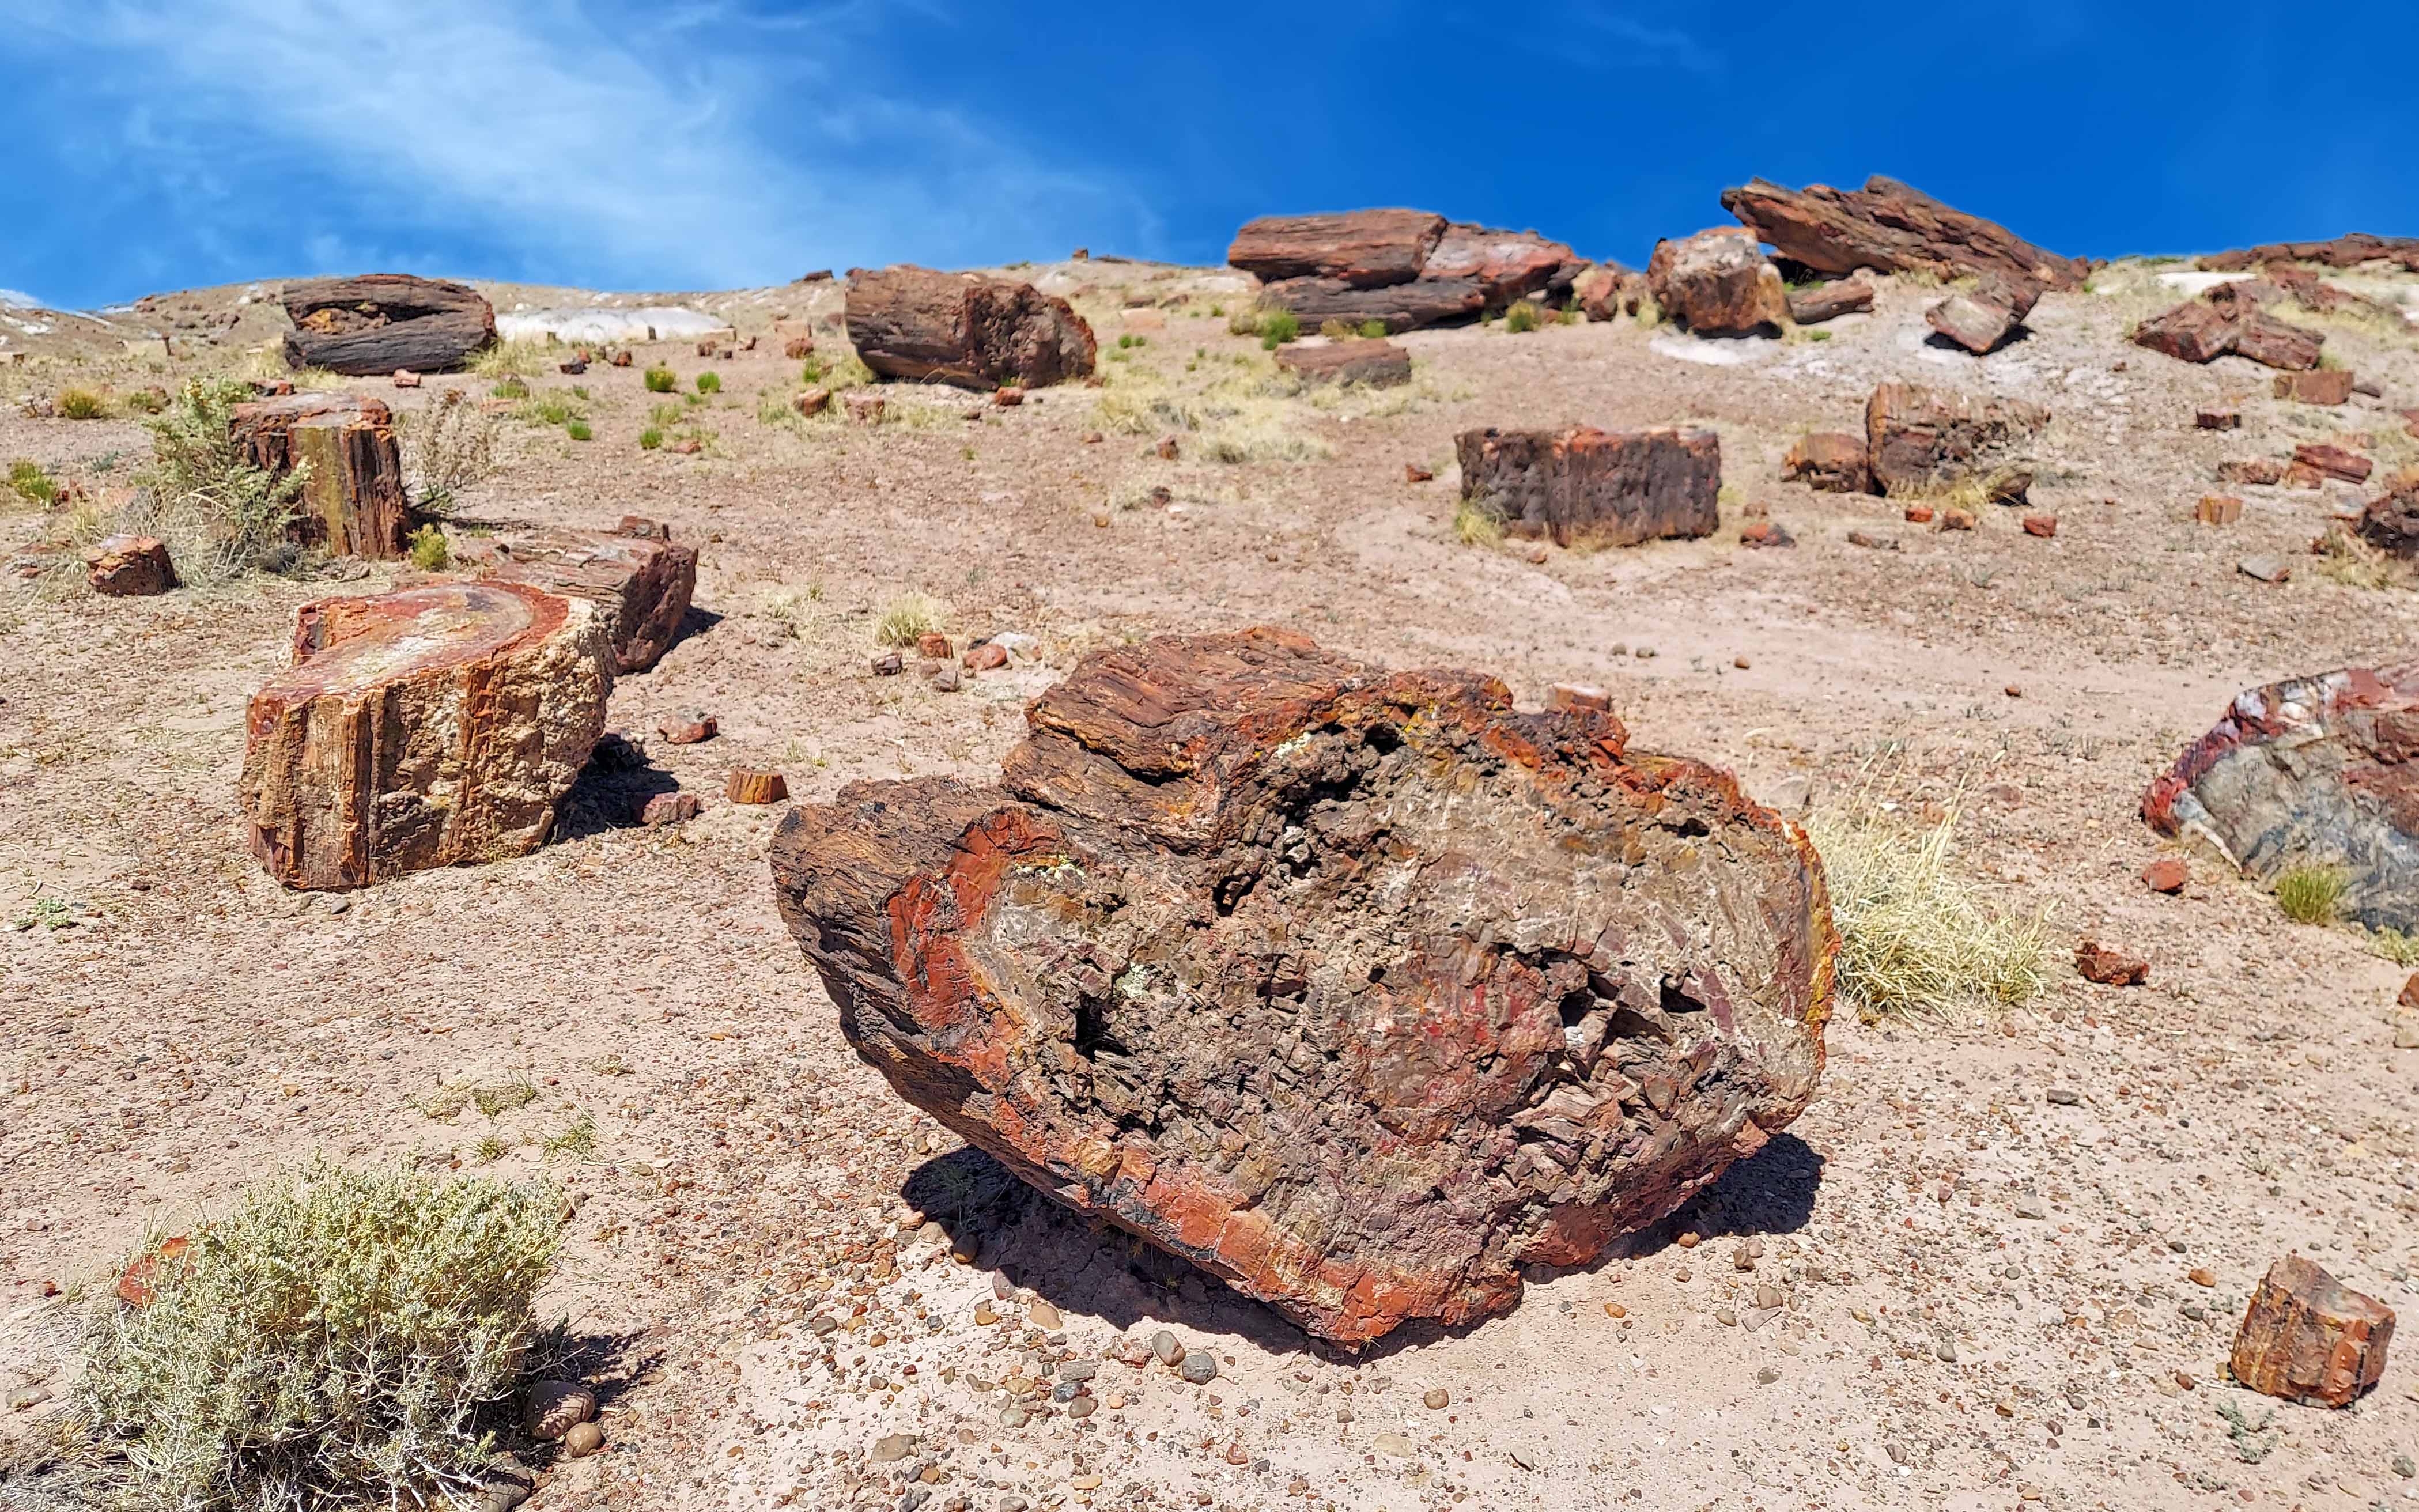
[(748, 786), (1413, 473), (2218, 509), (2168, 874), (2265, 569), (663, 809), (2043, 526), (2111, 968), (2310, 1340), (1438, 1399), (553, 1408), (1198, 1366), (889, 664), (584, 1439), (892, 1447), (688, 727)]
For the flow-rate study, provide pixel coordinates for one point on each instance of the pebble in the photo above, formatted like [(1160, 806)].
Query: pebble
[(984, 1316), (2063, 1097), (28, 1397), (2201, 1276), (1084, 1406), (2031, 1206), (1767, 1375), (1438, 1399), (1044, 1315), (1946, 1351), (1163, 1345), (584, 1439), (1199, 1367), (1393, 1444), (553, 1406), (1013, 1417), (1526, 1459), (893, 1447)]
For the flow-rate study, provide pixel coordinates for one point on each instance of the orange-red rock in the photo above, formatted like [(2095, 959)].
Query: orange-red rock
[(1718, 284), (424, 728), (639, 580), (1358, 989), (353, 498), (976, 333), (1828, 461), (1592, 486), (2308, 1338), (129, 567), (2168, 874), (2110, 969)]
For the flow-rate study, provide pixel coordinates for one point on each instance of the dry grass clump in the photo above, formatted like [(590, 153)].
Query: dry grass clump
[(83, 403), (447, 448), (1477, 522), (2345, 558), (511, 359), (331, 1342), (220, 515), (1916, 939), (2311, 894), (906, 617), (2392, 945), (1241, 416)]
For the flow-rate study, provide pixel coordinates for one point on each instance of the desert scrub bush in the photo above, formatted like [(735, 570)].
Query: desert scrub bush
[(446, 449), (2392, 945), (1521, 317), (1477, 522), (220, 515), (331, 1342), (661, 380), (1916, 939), (1277, 328), (2310, 894), (28, 482), (2345, 558), (709, 383), (427, 548), (549, 410), (81, 404), (511, 359), (148, 401), (906, 617)]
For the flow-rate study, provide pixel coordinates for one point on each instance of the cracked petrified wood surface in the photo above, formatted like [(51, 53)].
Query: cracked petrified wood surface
[(424, 728), (1359, 989), (2309, 1338)]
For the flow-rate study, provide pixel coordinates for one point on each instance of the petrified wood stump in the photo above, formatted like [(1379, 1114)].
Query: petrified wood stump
[(353, 498), (2315, 771), (976, 333), (419, 729), (1584, 486), (1718, 284), (2309, 1338), (1920, 438), (382, 322), (1358, 989), (1378, 365), (640, 581)]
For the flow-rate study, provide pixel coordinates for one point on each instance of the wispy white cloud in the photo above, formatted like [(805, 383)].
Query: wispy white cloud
[(1631, 42), (703, 145)]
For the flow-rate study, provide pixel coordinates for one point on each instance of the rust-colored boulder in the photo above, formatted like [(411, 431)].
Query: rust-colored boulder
[(1377, 363), (2323, 386), (2390, 522), (129, 567), (1584, 486), (1828, 461), (2223, 321), (1718, 284), (2168, 874), (1358, 249), (976, 333), (2309, 1338), (353, 499), (424, 728), (1606, 293), (1917, 436), (2251, 472), (2343, 251), (2109, 967), (1891, 228), (375, 324), (1403, 268), (1357, 989), (748, 786), (2319, 771), (2334, 461), (1829, 302), (1981, 319), (640, 581)]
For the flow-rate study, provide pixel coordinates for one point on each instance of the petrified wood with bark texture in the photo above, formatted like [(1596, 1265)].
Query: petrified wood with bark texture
[(1587, 487), (1892, 228), (353, 498), (2315, 771), (1359, 249), (419, 729), (976, 333), (2309, 1338), (1378, 365), (640, 581), (1356, 988), (381, 322), (1921, 438)]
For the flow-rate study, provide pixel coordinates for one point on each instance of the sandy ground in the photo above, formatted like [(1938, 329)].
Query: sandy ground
[(781, 1266)]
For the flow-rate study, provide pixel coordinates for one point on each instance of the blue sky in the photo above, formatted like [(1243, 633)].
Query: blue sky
[(696, 143)]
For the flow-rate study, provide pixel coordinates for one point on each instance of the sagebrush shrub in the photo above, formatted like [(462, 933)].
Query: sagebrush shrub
[(219, 514), (331, 1341)]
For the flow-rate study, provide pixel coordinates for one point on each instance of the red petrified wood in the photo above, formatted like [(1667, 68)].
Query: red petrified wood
[(2309, 1338), (420, 729), (976, 333), (353, 499), (1584, 486), (1358, 989), (640, 581)]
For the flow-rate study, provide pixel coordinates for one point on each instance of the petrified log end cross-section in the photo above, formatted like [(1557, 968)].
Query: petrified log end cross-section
[(1359, 989)]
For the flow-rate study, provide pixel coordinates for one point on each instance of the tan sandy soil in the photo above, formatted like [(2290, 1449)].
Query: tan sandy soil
[(1930, 1347)]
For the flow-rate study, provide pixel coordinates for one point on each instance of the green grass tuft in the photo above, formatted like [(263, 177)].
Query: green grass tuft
[(709, 383), (661, 380), (428, 550), (81, 404), (650, 438), (1277, 328), (2311, 894), (27, 481), (1522, 317)]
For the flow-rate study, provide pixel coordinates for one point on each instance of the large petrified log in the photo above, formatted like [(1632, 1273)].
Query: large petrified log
[(639, 580), (379, 322), (1588, 487), (2228, 319), (1358, 989), (2314, 771), (1829, 302), (1982, 318), (1378, 365), (353, 499), (1921, 438), (2309, 1338), (1892, 228), (1405, 268), (418, 729), (976, 333), (1718, 284), (2343, 251)]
